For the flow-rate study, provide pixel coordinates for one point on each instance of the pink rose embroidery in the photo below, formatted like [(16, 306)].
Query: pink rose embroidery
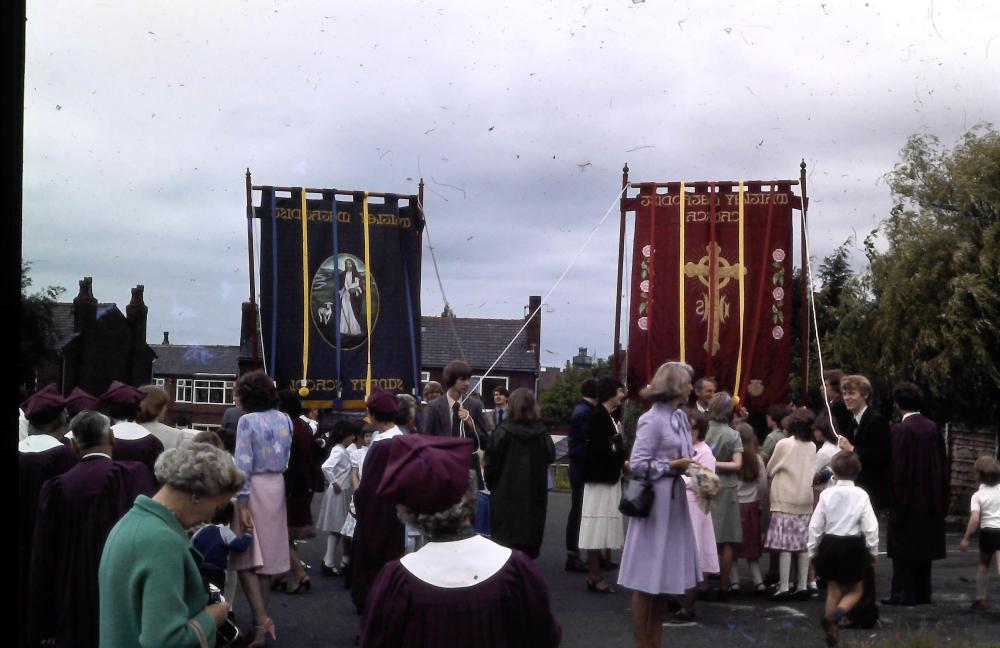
[(778, 255), (647, 250), (644, 286), (643, 323), (777, 332), (778, 293)]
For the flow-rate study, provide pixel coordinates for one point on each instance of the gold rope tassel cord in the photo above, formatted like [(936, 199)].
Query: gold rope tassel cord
[(680, 273), (740, 274), (368, 298), (305, 290)]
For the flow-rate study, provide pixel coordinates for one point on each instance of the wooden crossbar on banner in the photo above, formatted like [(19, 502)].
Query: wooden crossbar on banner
[(338, 192), (718, 183)]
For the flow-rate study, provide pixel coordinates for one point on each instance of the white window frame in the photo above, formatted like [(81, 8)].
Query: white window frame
[(212, 391), (184, 391), (160, 382), (477, 381), (206, 427)]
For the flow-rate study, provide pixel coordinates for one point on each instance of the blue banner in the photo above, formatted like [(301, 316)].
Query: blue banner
[(338, 278)]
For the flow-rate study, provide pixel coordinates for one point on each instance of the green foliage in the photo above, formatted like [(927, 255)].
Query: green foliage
[(559, 400), (927, 309), (37, 339)]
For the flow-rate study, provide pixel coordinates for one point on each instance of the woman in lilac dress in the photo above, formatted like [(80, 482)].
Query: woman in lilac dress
[(459, 590), (661, 555), (263, 447)]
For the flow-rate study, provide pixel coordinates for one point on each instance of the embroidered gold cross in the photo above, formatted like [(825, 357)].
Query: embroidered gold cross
[(724, 273)]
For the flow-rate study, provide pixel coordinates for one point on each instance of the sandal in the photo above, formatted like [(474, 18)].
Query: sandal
[(260, 633), (595, 586)]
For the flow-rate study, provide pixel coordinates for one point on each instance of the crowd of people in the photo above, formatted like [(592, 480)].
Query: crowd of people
[(134, 533)]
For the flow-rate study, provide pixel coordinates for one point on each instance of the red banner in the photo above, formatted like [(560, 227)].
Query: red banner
[(711, 286)]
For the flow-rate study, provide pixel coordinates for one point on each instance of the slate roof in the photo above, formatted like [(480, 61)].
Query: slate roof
[(482, 340), (188, 359), (62, 320)]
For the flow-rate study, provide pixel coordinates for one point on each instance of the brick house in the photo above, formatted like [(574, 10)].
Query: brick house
[(199, 380)]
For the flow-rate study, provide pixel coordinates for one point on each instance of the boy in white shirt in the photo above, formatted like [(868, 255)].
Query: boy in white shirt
[(985, 516), (843, 539)]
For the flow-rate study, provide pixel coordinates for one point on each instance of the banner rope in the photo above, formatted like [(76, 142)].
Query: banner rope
[(682, 314), (572, 262), (807, 269), (454, 331), (739, 275), (305, 290), (368, 297)]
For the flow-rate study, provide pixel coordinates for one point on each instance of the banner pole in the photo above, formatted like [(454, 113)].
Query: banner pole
[(616, 360), (253, 287), (805, 288)]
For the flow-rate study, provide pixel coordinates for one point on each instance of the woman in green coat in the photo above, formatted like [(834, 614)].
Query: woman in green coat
[(152, 594), (517, 470)]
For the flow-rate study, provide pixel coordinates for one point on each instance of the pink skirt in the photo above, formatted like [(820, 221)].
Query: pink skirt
[(788, 532), (752, 546), (704, 536), (268, 553)]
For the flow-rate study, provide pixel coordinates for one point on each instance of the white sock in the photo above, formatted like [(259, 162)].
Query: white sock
[(982, 578), (803, 560), (755, 572), (784, 569), (331, 550)]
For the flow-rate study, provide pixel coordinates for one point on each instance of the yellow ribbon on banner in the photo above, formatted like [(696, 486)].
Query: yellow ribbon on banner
[(305, 289), (740, 274), (680, 273), (368, 298)]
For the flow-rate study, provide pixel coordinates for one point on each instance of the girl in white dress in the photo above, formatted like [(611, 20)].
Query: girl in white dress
[(333, 512)]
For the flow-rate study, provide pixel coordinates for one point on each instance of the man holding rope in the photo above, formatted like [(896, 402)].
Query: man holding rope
[(456, 414)]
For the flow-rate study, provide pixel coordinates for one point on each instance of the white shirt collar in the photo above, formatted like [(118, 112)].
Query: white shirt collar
[(388, 434), (844, 482), (857, 417), (129, 431), (38, 443), (461, 563)]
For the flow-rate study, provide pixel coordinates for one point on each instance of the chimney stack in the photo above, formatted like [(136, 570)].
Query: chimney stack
[(84, 306), (534, 330), (136, 313), (166, 338)]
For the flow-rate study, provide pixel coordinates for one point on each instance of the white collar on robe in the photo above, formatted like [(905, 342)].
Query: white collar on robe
[(129, 431), (908, 415), (388, 434), (461, 563), (38, 443)]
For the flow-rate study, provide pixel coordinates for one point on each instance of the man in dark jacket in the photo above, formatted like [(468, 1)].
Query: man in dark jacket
[(867, 434), (577, 441), (919, 499)]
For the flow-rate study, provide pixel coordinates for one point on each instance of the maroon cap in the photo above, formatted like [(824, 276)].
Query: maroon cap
[(382, 401), (427, 474), (79, 400), (44, 405), (121, 394)]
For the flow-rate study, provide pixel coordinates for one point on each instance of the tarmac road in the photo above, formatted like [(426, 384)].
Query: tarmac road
[(324, 616)]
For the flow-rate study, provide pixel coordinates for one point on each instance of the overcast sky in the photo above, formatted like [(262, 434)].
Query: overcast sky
[(141, 118)]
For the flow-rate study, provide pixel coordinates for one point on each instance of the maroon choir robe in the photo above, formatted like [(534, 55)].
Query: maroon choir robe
[(76, 512), (144, 450), (40, 457), (379, 535), (507, 609)]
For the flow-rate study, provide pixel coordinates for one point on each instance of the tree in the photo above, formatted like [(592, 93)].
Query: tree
[(558, 401), (937, 285), (38, 336)]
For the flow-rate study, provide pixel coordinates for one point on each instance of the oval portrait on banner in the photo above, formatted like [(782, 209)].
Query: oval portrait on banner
[(338, 301)]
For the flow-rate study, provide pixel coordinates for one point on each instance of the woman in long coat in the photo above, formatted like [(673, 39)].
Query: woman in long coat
[(660, 555), (517, 461)]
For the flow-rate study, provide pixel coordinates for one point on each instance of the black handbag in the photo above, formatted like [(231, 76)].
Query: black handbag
[(637, 498)]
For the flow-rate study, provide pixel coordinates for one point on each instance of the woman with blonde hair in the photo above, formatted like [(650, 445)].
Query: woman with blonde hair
[(661, 555), (152, 410), (517, 463)]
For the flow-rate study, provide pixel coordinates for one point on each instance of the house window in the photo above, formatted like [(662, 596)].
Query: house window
[(213, 392), (485, 387), (183, 392), (206, 427), (159, 382)]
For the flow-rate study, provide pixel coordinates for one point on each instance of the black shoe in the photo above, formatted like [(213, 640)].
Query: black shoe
[(783, 596), (594, 586), (608, 565), (895, 600), (574, 564), (802, 595)]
